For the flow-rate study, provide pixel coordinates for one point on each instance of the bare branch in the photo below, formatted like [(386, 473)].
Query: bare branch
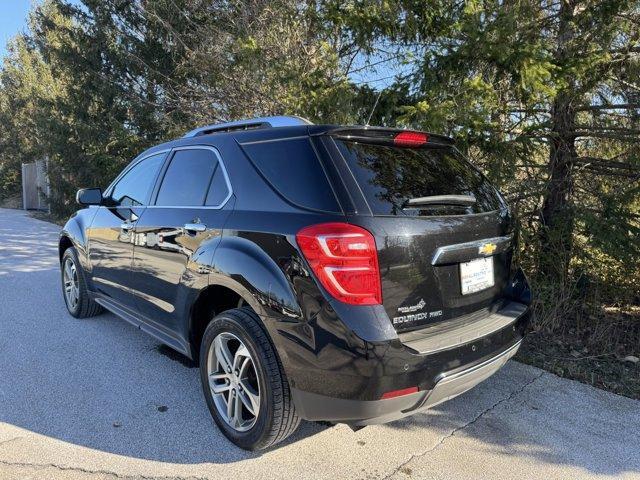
[(616, 106)]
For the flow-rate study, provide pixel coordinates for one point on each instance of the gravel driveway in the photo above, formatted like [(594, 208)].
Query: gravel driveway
[(98, 399)]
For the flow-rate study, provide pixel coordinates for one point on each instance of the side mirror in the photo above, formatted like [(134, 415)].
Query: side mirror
[(89, 196)]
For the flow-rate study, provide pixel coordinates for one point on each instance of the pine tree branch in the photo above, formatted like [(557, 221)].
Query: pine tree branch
[(529, 110), (626, 50), (608, 163), (611, 133), (615, 106)]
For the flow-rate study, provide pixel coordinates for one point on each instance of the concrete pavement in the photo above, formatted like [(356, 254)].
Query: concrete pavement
[(98, 399)]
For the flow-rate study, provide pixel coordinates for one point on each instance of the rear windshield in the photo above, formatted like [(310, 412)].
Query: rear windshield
[(390, 176)]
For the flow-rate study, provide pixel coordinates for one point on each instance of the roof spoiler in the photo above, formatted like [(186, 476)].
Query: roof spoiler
[(249, 124), (389, 136)]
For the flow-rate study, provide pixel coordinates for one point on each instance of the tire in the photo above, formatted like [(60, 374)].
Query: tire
[(276, 416), (83, 306)]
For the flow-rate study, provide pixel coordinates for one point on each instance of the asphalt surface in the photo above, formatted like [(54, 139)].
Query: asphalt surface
[(99, 399)]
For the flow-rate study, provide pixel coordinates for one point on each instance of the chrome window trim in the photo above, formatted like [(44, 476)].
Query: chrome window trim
[(224, 174), (278, 139)]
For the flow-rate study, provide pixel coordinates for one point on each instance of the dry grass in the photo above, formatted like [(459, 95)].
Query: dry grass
[(47, 217), (591, 349), (14, 201)]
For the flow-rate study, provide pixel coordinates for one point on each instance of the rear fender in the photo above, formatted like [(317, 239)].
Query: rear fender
[(245, 268)]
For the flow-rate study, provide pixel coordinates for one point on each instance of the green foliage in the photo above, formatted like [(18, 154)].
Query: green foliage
[(543, 96), (524, 89)]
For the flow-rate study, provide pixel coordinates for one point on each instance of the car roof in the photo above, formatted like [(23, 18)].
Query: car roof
[(266, 133)]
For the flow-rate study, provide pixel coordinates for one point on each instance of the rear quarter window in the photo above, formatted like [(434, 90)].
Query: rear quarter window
[(389, 176), (293, 169)]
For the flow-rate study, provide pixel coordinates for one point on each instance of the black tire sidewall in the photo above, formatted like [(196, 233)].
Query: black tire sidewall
[(252, 438), (70, 253)]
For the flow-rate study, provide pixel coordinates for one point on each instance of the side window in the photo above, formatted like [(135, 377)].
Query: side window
[(218, 190), (136, 185), (192, 178)]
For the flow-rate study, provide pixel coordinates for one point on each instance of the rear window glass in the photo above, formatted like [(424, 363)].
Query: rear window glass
[(390, 176), (292, 167)]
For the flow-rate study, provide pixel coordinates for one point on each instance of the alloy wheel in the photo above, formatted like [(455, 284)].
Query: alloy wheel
[(71, 285), (233, 381)]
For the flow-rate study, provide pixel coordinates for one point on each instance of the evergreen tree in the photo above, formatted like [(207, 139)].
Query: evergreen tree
[(544, 96)]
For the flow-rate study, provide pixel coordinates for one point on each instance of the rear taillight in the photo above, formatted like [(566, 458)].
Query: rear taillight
[(410, 139), (345, 260)]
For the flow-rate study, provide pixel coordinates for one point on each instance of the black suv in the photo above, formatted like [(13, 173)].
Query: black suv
[(319, 272)]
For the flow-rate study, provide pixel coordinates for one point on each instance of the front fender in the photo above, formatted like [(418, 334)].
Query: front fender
[(75, 232)]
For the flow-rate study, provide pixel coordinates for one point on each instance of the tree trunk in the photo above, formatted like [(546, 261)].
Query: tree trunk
[(557, 212)]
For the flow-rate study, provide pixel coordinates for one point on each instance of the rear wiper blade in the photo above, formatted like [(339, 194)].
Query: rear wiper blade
[(464, 200)]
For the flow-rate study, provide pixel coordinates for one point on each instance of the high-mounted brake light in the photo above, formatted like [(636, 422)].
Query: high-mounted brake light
[(345, 260), (410, 139)]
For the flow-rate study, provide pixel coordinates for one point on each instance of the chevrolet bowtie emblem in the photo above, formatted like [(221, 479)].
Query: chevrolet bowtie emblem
[(487, 249)]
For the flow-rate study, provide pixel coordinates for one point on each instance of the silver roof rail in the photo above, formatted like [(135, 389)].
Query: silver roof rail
[(250, 123)]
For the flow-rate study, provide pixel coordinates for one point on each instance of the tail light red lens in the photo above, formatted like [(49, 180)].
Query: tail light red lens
[(345, 260), (410, 139)]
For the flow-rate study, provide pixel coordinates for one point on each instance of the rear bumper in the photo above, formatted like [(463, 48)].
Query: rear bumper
[(450, 384), (343, 362)]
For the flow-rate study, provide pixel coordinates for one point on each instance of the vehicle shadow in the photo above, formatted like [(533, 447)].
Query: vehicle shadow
[(101, 383)]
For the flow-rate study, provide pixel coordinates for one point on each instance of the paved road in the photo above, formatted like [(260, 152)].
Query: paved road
[(79, 399)]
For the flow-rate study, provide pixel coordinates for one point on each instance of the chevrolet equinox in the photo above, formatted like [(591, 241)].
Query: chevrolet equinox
[(347, 274)]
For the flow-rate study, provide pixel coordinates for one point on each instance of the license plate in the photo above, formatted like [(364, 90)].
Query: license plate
[(476, 275)]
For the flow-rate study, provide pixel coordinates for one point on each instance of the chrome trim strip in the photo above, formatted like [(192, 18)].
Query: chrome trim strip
[(104, 281), (508, 353), (144, 324), (467, 245), (449, 386)]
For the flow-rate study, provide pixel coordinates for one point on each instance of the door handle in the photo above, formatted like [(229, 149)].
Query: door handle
[(194, 227)]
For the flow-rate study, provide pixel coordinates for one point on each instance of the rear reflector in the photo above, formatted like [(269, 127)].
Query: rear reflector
[(410, 139), (399, 393), (345, 260)]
